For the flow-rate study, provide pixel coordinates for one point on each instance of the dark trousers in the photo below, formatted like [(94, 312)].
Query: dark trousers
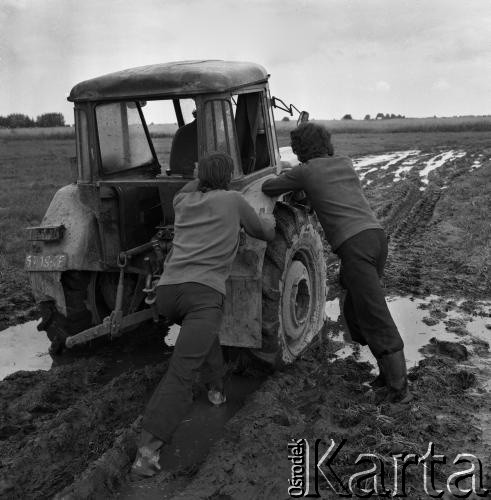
[(365, 310), (199, 310)]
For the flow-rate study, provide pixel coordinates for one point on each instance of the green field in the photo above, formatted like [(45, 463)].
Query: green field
[(397, 125)]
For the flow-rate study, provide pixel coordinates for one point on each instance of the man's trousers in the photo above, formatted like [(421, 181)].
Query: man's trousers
[(365, 310), (199, 310)]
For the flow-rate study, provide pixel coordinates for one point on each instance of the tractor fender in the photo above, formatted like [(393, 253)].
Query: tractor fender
[(242, 323), (288, 158), (253, 194), (71, 207), (79, 244)]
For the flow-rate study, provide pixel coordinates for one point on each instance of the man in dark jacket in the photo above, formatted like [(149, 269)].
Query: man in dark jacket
[(191, 292), (355, 235), (184, 149)]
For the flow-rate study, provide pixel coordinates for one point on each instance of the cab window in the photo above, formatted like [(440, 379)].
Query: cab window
[(220, 130), (252, 132), (122, 139), (83, 159)]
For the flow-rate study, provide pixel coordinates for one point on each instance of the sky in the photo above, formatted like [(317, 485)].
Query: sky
[(416, 58)]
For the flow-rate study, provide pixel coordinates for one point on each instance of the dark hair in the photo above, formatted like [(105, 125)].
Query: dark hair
[(311, 140), (215, 171)]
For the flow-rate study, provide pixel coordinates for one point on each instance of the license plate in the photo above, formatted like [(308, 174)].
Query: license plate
[(46, 262)]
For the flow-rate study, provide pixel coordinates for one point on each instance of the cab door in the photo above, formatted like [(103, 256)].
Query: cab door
[(242, 323)]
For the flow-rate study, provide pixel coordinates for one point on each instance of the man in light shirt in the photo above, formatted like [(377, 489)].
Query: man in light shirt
[(191, 292)]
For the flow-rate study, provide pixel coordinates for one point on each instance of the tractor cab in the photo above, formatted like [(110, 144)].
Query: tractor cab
[(137, 167), (96, 258), (208, 105)]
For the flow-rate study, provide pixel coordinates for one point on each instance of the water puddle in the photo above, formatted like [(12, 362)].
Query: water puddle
[(22, 347), (437, 162), (403, 169), (402, 161), (477, 163), (171, 337), (332, 310), (383, 160), (419, 320), (405, 161)]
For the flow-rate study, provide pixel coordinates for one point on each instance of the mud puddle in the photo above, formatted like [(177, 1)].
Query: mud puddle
[(22, 347), (421, 320), (401, 163)]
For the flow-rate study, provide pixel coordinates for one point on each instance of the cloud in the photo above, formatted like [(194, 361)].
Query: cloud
[(14, 4), (441, 84), (382, 86), (334, 57)]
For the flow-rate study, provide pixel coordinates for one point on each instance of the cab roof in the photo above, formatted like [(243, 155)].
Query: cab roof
[(170, 79)]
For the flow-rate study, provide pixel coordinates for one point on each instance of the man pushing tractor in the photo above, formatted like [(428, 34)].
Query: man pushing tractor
[(354, 234), (191, 292)]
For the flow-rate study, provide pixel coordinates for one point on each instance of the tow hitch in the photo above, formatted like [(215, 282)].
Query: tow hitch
[(115, 324)]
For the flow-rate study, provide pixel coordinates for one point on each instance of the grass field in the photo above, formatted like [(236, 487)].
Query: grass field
[(31, 171), (457, 124), (398, 125)]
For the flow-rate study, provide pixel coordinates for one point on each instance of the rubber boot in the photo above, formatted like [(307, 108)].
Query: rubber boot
[(379, 382), (394, 369), (146, 463)]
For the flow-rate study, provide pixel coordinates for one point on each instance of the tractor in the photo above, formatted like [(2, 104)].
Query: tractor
[(95, 259)]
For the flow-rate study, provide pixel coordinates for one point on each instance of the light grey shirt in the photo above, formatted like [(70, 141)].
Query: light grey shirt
[(206, 235)]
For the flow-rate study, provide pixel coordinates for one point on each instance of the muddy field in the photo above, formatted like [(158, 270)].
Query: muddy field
[(70, 432)]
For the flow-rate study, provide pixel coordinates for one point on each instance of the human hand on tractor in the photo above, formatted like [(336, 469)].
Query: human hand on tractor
[(269, 219)]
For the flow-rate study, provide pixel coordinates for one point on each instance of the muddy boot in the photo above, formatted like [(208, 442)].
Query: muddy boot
[(379, 382), (216, 398), (146, 463), (394, 369), (216, 394)]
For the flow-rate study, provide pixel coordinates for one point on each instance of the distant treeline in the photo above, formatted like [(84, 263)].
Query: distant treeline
[(18, 120), (454, 124)]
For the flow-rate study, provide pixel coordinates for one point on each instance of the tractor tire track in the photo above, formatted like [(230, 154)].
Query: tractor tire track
[(407, 219)]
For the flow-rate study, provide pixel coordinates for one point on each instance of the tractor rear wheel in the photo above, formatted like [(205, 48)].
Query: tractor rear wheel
[(89, 298), (294, 287), (78, 318), (101, 294)]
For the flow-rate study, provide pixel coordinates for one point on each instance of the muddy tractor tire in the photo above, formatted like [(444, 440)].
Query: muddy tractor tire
[(58, 326), (89, 298), (101, 294), (294, 287)]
